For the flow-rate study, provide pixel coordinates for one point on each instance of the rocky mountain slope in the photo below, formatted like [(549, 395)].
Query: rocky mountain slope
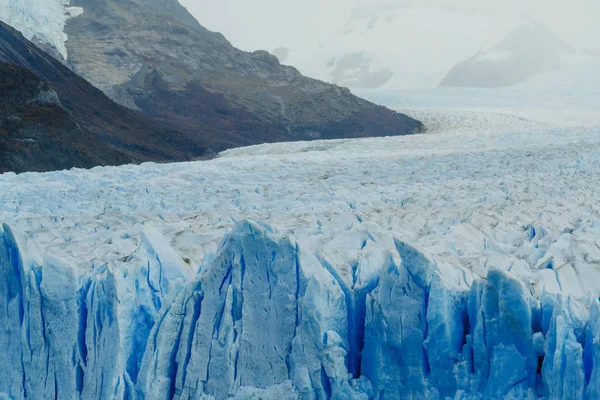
[(155, 57), (136, 136), (37, 133)]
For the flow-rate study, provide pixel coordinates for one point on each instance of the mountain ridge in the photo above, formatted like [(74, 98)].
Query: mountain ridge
[(152, 83), (140, 52), (137, 137)]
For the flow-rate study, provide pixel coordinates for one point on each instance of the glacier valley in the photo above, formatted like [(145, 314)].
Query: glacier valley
[(460, 264)]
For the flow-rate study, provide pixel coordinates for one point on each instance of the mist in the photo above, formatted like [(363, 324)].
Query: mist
[(402, 43), (262, 24), (252, 25)]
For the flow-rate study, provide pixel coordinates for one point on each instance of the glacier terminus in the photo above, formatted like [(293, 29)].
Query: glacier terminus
[(461, 264)]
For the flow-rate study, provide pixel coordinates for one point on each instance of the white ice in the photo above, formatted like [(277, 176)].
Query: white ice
[(43, 20)]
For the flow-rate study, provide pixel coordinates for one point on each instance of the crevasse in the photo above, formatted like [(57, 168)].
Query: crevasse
[(265, 319)]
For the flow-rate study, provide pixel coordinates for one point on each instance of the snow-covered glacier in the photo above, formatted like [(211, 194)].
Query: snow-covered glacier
[(461, 264), (40, 20)]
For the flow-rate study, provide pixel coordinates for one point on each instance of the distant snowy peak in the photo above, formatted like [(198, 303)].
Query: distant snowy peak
[(401, 43), (41, 21), (394, 44), (528, 51)]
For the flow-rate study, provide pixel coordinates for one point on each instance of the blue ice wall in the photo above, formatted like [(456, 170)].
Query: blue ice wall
[(265, 317)]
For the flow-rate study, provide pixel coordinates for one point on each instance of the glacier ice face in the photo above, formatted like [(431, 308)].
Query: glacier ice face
[(255, 317), (262, 318), (66, 328)]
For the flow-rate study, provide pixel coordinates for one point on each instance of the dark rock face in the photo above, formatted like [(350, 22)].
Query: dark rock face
[(528, 51), (37, 133), (153, 56), (135, 136)]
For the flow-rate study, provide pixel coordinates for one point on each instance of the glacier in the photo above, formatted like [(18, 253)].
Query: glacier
[(462, 264), (40, 21)]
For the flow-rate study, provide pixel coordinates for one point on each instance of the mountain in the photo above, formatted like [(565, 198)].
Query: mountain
[(530, 50), (395, 44), (154, 57), (182, 89), (137, 137), (38, 134)]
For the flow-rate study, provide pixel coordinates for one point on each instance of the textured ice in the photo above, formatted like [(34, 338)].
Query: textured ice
[(462, 264), (43, 20)]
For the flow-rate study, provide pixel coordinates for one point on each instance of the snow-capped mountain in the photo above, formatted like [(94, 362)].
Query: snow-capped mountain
[(460, 264), (399, 43), (528, 51)]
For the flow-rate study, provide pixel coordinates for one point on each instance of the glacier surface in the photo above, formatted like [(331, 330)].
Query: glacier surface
[(40, 20), (461, 264)]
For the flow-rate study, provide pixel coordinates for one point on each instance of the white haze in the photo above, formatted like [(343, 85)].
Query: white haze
[(312, 28), (266, 24), (256, 24)]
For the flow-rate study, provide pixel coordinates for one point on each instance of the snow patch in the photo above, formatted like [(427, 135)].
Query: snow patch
[(40, 20)]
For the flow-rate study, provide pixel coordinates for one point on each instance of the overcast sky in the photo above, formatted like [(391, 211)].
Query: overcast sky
[(271, 23), (253, 24)]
